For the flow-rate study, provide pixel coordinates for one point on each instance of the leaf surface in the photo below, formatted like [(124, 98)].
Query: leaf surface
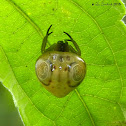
[(96, 26)]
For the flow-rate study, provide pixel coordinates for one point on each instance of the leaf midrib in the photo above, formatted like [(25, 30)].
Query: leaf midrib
[(26, 17)]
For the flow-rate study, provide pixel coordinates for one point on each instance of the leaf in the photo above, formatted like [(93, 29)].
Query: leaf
[(96, 26)]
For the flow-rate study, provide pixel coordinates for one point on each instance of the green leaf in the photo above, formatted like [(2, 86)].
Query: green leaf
[(96, 26)]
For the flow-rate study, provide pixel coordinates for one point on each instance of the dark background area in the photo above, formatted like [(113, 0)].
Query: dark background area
[(9, 115)]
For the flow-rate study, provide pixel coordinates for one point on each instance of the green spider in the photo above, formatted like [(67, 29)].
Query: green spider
[(60, 68)]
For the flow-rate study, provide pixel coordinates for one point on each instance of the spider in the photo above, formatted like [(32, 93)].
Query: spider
[(60, 68)]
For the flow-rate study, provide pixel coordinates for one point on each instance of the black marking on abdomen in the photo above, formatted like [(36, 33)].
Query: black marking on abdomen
[(73, 85), (45, 84), (66, 68), (50, 81), (61, 58)]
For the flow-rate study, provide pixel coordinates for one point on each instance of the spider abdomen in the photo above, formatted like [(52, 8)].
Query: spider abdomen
[(60, 72)]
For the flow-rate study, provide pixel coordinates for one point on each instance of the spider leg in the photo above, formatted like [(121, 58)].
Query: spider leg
[(75, 44), (72, 49), (51, 48), (48, 31), (45, 40)]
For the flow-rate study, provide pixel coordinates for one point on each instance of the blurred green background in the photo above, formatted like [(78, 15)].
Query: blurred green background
[(9, 115), (8, 112)]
